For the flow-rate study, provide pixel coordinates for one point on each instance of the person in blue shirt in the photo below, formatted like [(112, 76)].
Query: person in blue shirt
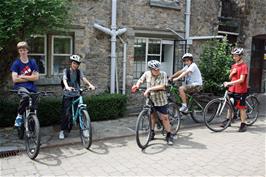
[(24, 72)]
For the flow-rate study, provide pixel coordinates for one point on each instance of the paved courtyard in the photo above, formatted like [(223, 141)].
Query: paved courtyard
[(196, 152)]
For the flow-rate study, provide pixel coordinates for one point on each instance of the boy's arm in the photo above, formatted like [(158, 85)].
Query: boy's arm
[(176, 74), (183, 74), (33, 77), (85, 80)]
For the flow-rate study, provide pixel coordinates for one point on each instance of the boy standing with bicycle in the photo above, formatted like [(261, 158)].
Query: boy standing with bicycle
[(71, 85), (24, 72), (238, 86), (156, 82)]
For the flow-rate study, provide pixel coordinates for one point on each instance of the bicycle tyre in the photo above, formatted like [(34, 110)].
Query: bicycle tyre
[(85, 125), (174, 118), (32, 136), (213, 121), (197, 109), (252, 104), (143, 129)]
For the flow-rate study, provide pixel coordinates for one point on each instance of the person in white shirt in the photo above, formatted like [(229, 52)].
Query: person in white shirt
[(193, 79)]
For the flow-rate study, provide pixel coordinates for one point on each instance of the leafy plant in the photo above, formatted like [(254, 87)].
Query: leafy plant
[(215, 63)]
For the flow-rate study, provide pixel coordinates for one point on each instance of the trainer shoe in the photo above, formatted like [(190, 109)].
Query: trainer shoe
[(18, 121), (169, 139), (61, 135), (243, 127), (183, 109)]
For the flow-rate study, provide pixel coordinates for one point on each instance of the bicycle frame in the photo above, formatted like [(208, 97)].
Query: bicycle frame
[(81, 106)]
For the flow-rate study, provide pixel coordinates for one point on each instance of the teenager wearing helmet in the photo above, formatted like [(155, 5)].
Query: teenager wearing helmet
[(71, 83), (193, 79), (238, 86), (24, 72), (156, 81)]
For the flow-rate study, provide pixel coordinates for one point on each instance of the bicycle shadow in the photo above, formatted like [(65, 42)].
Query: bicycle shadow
[(102, 147), (52, 156), (183, 140)]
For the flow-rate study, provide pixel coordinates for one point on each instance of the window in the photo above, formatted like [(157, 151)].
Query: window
[(38, 52), (146, 49), (51, 52), (61, 50), (171, 4)]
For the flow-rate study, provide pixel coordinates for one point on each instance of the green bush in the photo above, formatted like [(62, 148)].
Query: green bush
[(100, 107), (215, 63)]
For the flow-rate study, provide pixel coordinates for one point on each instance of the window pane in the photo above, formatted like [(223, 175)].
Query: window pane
[(154, 58), (40, 60), (60, 63), (62, 45), (139, 50), (154, 46), (36, 45)]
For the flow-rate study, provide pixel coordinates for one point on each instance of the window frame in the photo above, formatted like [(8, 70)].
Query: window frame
[(53, 54), (44, 54)]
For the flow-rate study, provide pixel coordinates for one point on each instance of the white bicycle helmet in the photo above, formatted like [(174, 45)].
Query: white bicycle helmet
[(187, 55), (237, 51), (75, 58), (154, 64)]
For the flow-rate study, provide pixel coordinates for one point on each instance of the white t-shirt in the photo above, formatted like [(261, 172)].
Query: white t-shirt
[(194, 76)]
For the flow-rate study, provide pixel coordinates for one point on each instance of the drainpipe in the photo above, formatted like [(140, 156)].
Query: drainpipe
[(124, 65), (113, 33), (187, 27)]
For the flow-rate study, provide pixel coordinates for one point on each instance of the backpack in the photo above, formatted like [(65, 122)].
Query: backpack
[(68, 78)]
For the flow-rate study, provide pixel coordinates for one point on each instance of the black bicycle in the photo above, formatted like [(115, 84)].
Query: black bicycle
[(218, 110), (30, 128), (143, 125)]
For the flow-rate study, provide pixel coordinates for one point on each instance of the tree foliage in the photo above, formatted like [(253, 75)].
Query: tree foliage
[(21, 18), (215, 63)]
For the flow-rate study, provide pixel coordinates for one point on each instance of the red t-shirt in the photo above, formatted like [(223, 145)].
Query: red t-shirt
[(241, 69)]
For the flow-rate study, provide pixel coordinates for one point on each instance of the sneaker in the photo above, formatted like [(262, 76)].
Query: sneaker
[(169, 139), (183, 109), (86, 133), (152, 135), (224, 123), (61, 135), (243, 127), (18, 121)]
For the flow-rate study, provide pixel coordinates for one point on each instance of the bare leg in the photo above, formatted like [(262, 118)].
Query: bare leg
[(183, 94), (166, 123)]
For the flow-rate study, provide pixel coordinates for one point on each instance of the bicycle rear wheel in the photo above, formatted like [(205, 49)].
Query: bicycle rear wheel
[(196, 111), (252, 104), (216, 115), (174, 118), (85, 129), (32, 136), (143, 129)]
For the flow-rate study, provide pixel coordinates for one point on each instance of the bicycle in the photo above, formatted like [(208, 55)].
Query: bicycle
[(143, 125), (80, 115), (195, 101), (217, 112), (30, 128)]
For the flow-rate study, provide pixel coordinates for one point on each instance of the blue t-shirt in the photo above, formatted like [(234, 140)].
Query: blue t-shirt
[(25, 69)]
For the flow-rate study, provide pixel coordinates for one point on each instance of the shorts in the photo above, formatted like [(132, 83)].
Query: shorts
[(239, 100), (162, 109), (193, 88)]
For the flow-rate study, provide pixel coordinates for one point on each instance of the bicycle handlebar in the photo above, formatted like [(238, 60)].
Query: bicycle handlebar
[(41, 93)]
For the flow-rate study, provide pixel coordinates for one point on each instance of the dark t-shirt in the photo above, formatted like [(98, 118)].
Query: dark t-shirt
[(25, 69)]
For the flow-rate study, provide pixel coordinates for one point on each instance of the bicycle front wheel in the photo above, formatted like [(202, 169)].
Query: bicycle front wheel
[(143, 129), (174, 118), (217, 115), (32, 136), (85, 129), (252, 104)]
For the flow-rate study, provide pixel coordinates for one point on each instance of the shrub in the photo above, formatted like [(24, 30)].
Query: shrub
[(100, 107), (215, 63)]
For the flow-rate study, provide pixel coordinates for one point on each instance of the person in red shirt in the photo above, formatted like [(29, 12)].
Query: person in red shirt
[(238, 86)]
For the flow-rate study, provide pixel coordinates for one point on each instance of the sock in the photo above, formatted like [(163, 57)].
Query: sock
[(184, 104)]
